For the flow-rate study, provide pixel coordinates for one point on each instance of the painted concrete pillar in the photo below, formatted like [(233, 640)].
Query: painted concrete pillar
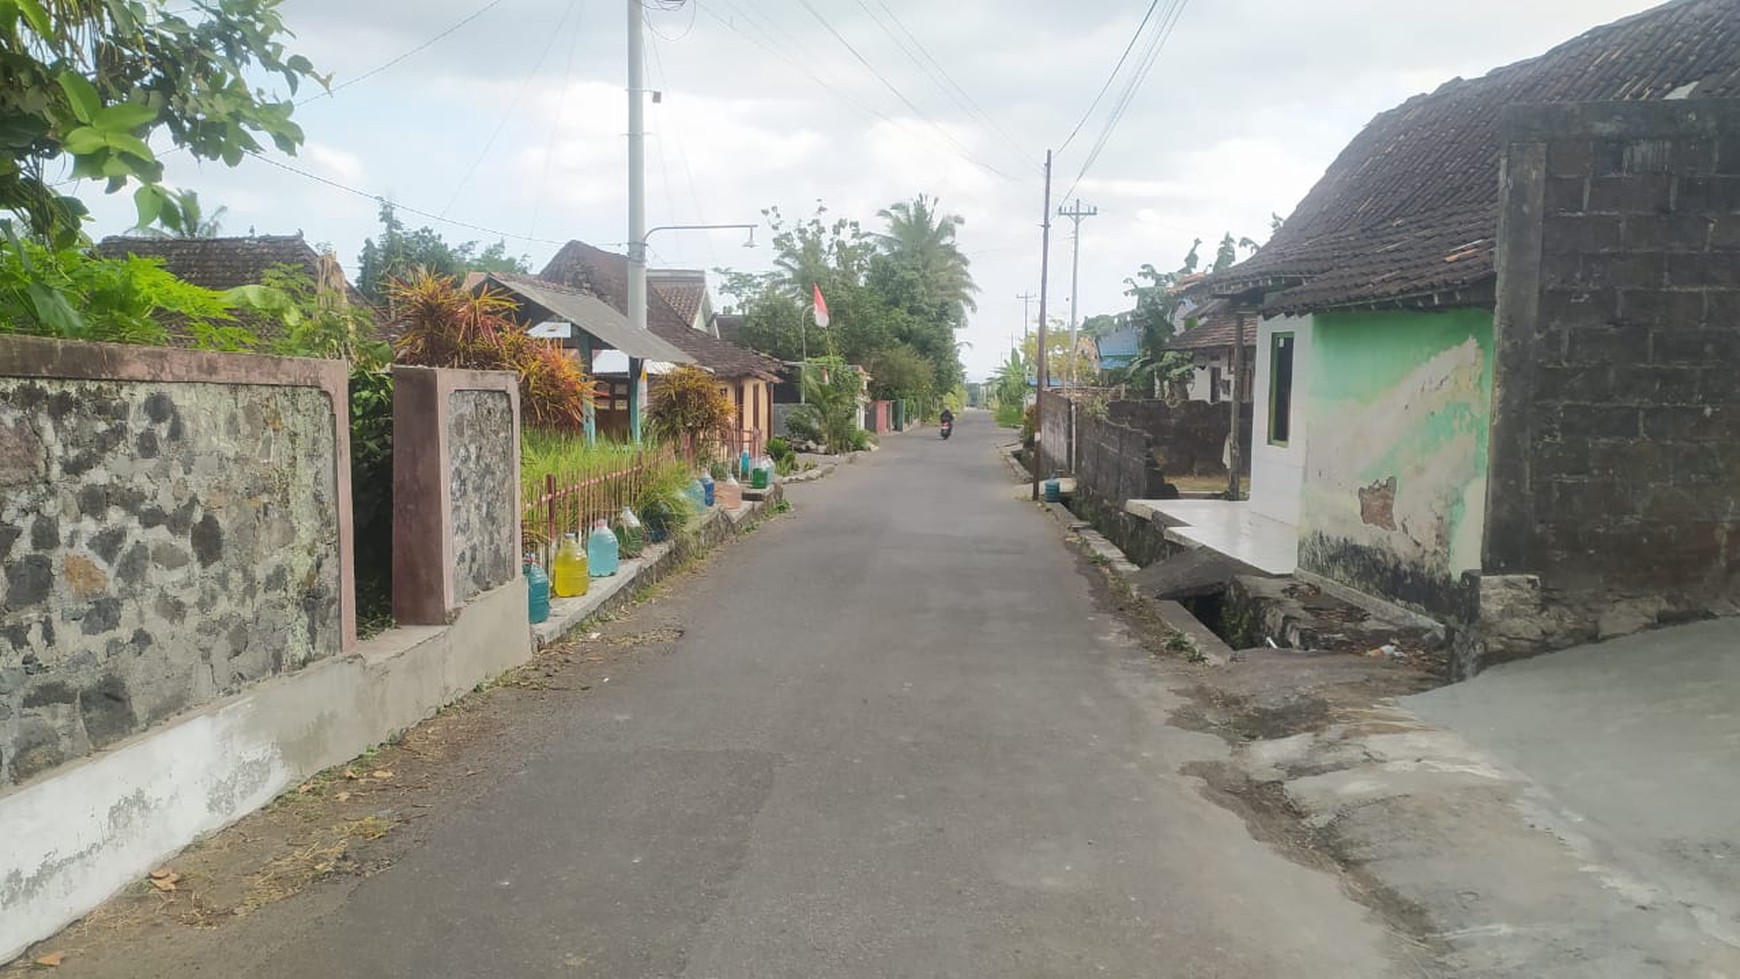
[(636, 396), (591, 422), (456, 481)]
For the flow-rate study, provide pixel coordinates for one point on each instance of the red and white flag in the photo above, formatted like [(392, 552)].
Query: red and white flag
[(821, 308)]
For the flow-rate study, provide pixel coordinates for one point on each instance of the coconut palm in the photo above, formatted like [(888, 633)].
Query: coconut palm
[(922, 238)]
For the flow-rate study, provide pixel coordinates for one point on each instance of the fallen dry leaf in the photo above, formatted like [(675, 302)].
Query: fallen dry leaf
[(381, 773), (162, 873), (163, 885), (342, 797), (50, 960), (305, 788), (350, 773)]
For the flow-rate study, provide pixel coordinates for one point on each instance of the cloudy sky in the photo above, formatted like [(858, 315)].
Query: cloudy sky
[(514, 122)]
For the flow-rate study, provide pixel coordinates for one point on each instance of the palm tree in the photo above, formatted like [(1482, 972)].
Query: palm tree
[(923, 239)]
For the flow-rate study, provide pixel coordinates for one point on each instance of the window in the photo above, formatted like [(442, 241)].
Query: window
[(1280, 388)]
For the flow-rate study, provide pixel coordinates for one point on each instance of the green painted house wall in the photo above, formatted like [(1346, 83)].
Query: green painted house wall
[(1393, 500)]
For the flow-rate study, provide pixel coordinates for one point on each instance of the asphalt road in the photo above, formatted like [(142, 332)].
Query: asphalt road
[(896, 739)]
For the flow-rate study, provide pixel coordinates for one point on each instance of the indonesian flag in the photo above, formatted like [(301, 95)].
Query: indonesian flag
[(821, 308)]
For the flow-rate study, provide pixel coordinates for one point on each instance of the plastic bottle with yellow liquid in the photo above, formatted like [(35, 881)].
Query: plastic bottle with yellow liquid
[(570, 578)]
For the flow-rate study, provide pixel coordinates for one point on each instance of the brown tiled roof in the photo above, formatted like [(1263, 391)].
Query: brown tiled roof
[(722, 357), (605, 275), (1410, 208), (225, 263), (1216, 325), (683, 290)]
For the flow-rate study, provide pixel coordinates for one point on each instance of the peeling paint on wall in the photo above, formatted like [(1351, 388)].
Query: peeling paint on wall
[(1394, 494)]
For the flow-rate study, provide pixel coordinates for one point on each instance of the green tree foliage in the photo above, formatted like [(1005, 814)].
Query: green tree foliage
[(689, 410), (398, 253), (441, 325), (91, 81), (900, 373), (70, 295), (907, 286), (1058, 360), (187, 219), (831, 401)]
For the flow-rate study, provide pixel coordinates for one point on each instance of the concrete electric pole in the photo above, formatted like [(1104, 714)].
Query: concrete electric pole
[(1044, 290), (636, 206), (1075, 212)]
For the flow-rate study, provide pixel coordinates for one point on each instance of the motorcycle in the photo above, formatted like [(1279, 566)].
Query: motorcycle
[(948, 429)]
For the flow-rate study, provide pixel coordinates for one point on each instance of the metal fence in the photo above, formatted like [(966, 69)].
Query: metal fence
[(571, 502)]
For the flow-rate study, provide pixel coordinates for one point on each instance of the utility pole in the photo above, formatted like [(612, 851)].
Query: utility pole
[(1044, 281), (1075, 212), (1026, 314), (636, 205)]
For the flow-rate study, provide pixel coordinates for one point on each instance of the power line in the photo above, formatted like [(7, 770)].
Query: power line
[(382, 199), (508, 110), (479, 12), (767, 42), (682, 153), (1132, 84), (555, 129), (960, 147), (1134, 37), (915, 52)]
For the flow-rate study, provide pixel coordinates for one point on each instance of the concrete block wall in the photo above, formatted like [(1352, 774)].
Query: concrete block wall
[(1614, 485), (174, 526)]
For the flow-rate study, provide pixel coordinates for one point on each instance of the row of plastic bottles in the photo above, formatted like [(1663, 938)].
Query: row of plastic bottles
[(573, 567)]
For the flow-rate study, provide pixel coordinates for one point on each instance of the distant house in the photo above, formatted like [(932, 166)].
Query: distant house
[(1208, 340), (1498, 339), (226, 263), (680, 313), (1119, 348)]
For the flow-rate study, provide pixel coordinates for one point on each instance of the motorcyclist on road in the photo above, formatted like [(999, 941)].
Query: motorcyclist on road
[(948, 417)]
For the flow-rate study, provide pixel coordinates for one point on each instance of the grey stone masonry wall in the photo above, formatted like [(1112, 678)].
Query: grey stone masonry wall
[(1614, 477), (1189, 437), (482, 452), (1056, 451), (163, 544), (1116, 463)]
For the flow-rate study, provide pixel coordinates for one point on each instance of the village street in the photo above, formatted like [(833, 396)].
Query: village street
[(896, 737)]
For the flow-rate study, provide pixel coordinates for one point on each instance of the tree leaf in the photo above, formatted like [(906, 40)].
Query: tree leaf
[(131, 145), (51, 309), (123, 117), (149, 202), (83, 140), (36, 16), (81, 93)]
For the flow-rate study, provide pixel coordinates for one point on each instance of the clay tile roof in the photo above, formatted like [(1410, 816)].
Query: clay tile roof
[(605, 274), (683, 290), (225, 263), (1216, 325), (1410, 208)]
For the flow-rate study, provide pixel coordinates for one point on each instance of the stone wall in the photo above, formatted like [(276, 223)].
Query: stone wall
[(1056, 431), (1616, 437), (483, 455), (173, 528)]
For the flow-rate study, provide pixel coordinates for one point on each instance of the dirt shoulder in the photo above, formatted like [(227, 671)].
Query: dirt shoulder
[(300, 855)]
